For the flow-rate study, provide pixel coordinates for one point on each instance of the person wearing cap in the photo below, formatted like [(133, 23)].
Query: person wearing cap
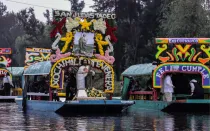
[(197, 91)]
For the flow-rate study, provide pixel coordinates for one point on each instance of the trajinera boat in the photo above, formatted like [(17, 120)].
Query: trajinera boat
[(186, 59), (82, 46)]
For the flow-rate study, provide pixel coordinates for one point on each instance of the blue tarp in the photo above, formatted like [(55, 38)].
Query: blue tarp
[(40, 68), (140, 69), (16, 71)]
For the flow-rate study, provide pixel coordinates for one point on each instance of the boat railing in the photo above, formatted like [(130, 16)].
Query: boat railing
[(38, 96)]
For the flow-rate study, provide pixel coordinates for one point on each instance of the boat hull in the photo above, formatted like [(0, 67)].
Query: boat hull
[(175, 106), (81, 106)]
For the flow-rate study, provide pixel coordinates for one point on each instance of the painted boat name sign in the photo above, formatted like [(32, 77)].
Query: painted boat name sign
[(181, 67), (183, 40), (70, 61)]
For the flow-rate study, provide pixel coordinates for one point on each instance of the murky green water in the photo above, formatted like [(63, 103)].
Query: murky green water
[(13, 119)]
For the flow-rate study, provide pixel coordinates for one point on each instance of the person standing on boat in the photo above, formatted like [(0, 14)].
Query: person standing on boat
[(197, 92), (71, 85), (7, 82), (168, 88)]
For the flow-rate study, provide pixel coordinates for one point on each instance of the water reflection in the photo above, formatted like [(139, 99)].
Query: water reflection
[(13, 119)]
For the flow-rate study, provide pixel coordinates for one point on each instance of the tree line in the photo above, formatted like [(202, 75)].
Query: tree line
[(138, 23)]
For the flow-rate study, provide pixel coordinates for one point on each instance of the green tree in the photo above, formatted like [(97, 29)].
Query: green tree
[(185, 18), (76, 5), (10, 29), (137, 22)]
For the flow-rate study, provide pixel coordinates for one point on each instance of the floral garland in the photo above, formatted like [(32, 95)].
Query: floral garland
[(99, 27)]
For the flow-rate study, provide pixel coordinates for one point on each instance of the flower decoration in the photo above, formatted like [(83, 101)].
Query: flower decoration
[(58, 27), (100, 43), (67, 40), (110, 48), (110, 31), (58, 55), (72, 23), (107, 58), (85, 24), (55, 43), (100, 25)]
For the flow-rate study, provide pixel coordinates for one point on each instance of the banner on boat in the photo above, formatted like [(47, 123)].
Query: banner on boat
[(34, 55), (92, 15), (193, 68), (56, 71), (182, 40)]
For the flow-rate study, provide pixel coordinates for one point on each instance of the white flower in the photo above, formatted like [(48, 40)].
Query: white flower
[(100, 25), (71, 23)]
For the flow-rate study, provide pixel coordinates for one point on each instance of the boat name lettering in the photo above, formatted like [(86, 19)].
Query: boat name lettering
[(182, 68)]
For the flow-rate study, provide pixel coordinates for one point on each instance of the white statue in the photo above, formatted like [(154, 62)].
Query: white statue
[(81, 74)]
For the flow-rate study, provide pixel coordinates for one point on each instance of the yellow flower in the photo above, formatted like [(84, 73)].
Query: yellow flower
[(100, 43), (67, 40), (85, 24)]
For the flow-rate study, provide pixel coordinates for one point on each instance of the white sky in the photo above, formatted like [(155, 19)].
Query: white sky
[(13, 5)]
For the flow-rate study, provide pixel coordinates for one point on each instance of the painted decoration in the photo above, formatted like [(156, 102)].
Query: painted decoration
[(5, 51), (4, 71), (191, 68), (183, 50), (5, 61), (55, 74), (34, 55)]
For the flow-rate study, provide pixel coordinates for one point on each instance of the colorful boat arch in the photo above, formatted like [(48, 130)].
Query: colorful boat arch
[(3, 71), (56, 71), (191, 68)]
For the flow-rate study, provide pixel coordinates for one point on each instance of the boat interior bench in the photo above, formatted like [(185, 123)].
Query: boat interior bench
[(142, 94)]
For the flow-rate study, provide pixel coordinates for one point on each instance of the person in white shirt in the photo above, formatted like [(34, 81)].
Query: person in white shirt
[(168, 88), (7, 82)]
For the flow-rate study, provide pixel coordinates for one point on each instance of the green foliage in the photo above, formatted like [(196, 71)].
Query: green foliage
[(184, 18), (77, 6)]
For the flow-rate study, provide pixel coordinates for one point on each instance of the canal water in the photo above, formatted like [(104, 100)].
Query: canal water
[(13, 119)]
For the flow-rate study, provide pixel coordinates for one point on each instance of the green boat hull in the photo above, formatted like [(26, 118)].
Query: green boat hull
[(175, 106)]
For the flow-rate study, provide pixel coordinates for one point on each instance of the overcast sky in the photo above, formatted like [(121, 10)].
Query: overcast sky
[(17, 5)]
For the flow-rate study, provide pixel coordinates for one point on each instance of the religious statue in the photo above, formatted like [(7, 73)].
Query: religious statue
[(82, 44), (81, 74)]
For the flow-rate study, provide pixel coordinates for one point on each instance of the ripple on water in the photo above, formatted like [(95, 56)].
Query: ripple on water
[(11, 118)]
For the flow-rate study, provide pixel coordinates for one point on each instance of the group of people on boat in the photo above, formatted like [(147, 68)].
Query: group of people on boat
[(180, 84), (197, 92), (39, 85)]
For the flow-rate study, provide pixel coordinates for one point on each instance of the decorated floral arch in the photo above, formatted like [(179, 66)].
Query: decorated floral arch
[(83, 36)]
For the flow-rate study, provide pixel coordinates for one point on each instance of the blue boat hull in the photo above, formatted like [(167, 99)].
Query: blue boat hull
[(81, 106)]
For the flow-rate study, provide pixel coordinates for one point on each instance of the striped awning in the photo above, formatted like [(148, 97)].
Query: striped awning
[(16, 71), (140, 69), (40, 68)]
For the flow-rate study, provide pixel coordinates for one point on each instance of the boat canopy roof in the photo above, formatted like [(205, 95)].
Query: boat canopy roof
[(140, 69), (40, 68), (16, 71)]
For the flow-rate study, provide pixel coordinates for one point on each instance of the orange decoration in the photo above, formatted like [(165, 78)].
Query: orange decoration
[(163, 59), (203, 61)]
